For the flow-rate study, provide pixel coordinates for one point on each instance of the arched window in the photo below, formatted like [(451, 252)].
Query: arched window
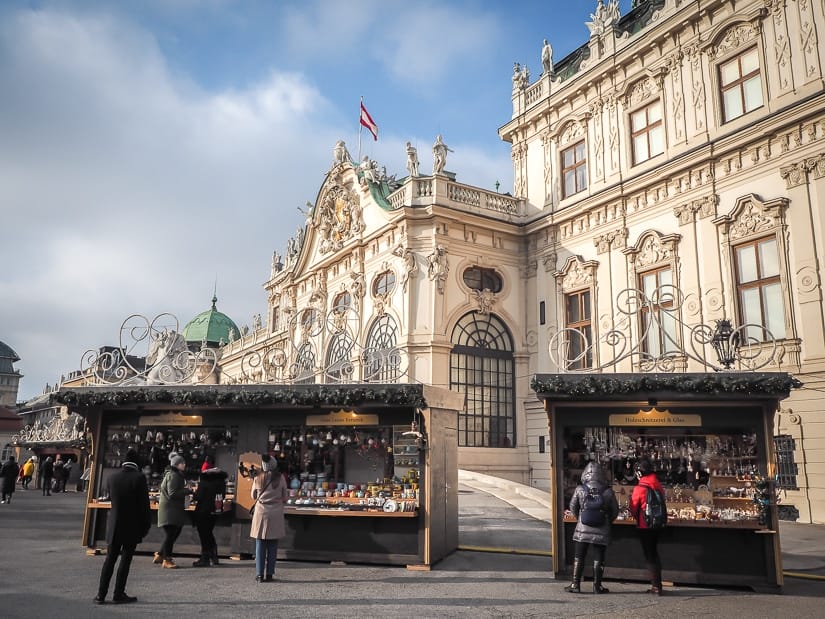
[(305, 362), (339, 352), (379, 356), (482, 367), (342, 302)]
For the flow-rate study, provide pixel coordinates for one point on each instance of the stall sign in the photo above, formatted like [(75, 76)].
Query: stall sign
[(170, 419), (342, 418), (655, 418)]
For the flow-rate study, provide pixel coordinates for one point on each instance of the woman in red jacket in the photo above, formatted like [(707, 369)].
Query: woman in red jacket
[(647, 536)]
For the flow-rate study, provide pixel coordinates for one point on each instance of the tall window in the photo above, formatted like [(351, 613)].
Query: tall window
[(381, 361), (482, 367), (577, 317), (740, 84), (339, 362), (758, 287), (574, 169), (305, 365), (647, 133), (659, 331)]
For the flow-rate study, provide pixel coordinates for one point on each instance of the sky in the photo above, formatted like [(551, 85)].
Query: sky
[(152, 151)]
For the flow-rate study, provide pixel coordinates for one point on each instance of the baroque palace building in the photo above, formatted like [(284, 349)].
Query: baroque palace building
[(680, 153)]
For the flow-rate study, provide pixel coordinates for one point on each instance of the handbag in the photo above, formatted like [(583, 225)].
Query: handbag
[(252, 509)]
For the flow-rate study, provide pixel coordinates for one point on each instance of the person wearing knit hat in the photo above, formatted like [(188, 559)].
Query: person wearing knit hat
[(208, 502), (171, 509), (127, 524), (268, 526)]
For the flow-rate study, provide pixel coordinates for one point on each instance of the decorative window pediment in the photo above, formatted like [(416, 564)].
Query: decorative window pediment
[(653, 249), (576, 273), (752, 216)]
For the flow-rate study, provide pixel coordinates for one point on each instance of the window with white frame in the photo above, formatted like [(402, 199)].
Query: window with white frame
[(740, 84), (647, 132), (580, 339), (659, 327), (574, 169), (758, 287)]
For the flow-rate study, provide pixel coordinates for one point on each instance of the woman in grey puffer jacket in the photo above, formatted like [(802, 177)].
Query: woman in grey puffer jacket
[(590, 533)]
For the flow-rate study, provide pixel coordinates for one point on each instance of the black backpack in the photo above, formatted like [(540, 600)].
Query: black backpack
[(592, 512), (655, 509)]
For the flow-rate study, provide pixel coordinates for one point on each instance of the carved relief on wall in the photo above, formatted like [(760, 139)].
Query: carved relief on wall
[(485, 299), (573, 131), (610, 240), (751, 215), (410, 264), (339, 219), (653, 248), (576, 274), (735, 37), (357, 288)]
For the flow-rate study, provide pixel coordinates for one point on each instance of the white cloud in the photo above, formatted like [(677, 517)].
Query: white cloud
[(124, 188)]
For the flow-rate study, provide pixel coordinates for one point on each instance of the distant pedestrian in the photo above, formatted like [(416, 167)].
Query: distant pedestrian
[(26, 472), (8, 479), (208, 501), (46, 476), (171, 509), (649, 537), (594, 505), (59, 474), (127, 524), (269, 492), (67, 472)]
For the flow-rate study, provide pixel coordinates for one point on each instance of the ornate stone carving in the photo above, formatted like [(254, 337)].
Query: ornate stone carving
[(576, 273), (641, 91), (795, 174), (485, 299), (573, 131), (438, 267), (339, 219), (806, 279), (735, 37), (751, 215), (357, 288), (653, 251), (410, 264)]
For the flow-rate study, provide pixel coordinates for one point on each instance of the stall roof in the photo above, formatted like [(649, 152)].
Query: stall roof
[(718, 385), (242, 396)]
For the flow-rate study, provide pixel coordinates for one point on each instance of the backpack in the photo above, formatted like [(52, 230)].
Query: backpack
[(592, 512), (655, 509)]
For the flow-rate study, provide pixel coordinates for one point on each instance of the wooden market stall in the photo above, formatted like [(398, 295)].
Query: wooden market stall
[(372, 469), (710, 437)]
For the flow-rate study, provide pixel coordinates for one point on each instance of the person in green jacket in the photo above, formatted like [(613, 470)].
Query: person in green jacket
[(172, 509)]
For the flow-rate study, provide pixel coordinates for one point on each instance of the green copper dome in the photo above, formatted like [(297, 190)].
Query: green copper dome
[(211, 326)]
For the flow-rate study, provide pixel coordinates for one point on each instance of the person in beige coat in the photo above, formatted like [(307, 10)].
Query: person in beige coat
[(268, 526)]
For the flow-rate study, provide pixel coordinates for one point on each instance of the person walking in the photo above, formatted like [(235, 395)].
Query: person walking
[(127, 524), (269, 493), (8, 479), (26, 471), (648, 536), (595, 507), (47, 474), (211, 484), (171, 509)]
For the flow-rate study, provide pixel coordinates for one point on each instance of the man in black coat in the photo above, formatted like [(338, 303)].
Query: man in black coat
[(128, 522)]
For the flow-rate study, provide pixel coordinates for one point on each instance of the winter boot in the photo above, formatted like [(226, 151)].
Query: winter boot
[(598, 572), (169, 563), (202, 562), (158, 559), (213, 556), (575, 585)]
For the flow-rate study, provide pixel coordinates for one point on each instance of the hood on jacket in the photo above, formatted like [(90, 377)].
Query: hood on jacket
[(214, 473), (594, 475)]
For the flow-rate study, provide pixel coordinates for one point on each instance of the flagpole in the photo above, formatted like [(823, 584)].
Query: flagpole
[(360, 128)]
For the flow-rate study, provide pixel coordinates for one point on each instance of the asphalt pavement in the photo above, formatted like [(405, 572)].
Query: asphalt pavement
[(501, 570)]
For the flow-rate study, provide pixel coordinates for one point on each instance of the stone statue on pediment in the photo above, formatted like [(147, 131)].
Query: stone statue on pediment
[(547, 58), (340, 154)]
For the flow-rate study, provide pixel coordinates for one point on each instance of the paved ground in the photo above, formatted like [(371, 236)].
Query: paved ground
[(45, 572)]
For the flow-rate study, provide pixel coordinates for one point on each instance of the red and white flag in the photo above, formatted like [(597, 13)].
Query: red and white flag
[(368, 122)]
